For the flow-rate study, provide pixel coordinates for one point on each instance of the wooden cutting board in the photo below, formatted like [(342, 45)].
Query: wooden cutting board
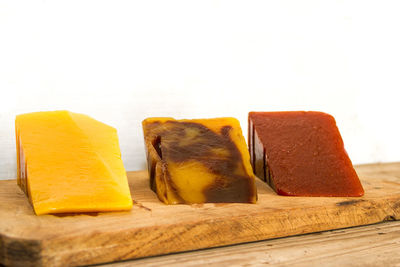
[(152, 228)]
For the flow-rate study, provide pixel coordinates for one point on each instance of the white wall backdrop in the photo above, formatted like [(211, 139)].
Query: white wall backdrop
[(122, 61)]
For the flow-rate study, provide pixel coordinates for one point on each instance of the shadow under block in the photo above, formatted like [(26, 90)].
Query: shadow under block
[(153, 228)]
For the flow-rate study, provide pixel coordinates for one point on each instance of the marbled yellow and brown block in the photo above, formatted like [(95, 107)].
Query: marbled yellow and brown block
[(198, 161)]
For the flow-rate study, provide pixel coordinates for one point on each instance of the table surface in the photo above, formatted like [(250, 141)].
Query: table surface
[(371, 245), (152, 228)]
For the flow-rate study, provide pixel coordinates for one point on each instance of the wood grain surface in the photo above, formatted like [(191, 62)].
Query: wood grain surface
[(152, 228), (371, 245)]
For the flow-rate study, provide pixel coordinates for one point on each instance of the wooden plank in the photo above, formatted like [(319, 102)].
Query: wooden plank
[(152, 228), (371, 245)]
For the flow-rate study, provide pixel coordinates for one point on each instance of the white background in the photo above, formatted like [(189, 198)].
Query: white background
[(123, 61)]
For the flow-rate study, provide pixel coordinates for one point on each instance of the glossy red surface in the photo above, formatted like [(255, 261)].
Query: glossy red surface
[(301, 154)]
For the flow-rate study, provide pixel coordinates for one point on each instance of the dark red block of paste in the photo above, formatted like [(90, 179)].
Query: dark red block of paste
[(301, 153)]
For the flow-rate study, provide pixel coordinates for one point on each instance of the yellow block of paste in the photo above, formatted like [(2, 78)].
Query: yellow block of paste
[(69, 162)]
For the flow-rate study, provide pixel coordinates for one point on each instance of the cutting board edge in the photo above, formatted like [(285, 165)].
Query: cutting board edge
[(37, 249), (377, 208), (36, 257), (17, 251)]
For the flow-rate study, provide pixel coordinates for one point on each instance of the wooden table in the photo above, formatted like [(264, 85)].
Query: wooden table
[(371, 245), (277, 227)]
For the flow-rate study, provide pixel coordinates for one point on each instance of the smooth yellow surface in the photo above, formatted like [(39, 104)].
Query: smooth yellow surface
[(191, 178), (73, 163)]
